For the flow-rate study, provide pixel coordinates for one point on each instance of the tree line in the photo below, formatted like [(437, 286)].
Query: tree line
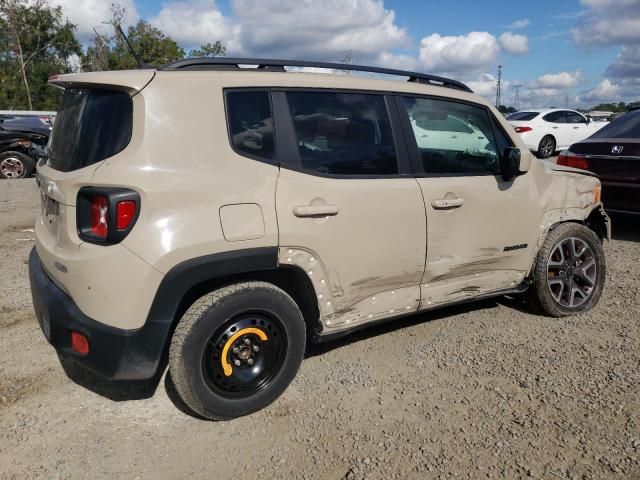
[(36, 41)]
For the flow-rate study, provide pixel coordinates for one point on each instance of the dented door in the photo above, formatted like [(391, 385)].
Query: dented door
[(479, 236), (346, 214)]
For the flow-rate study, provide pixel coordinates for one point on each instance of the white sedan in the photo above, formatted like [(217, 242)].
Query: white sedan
[(547, 131)]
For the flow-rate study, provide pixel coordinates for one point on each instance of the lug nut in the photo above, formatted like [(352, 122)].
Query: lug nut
[(247, 341), (236, 350), (256, 348), (237, 363), (250, 361)]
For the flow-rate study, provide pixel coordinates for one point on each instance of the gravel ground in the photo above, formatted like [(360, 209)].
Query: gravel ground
[(480, 391)]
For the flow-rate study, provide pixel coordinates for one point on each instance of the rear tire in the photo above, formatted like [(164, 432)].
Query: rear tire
[(569, 273), (16, 165), (237, 349), (546, 147)]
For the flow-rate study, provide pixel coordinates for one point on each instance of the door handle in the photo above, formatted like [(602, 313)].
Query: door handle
[(446, 203), (315, 211), (555, 127), (575, 128)]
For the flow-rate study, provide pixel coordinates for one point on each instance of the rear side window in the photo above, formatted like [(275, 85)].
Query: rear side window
[(453, 138), (251, 123), (343, 133), (91, 125)]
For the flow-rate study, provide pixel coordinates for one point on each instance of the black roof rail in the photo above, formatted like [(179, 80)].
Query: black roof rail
[(272, 65)]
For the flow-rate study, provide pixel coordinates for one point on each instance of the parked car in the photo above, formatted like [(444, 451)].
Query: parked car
[(613, 153), (547, 131), (27, 124), (300, 214), (19, 152)]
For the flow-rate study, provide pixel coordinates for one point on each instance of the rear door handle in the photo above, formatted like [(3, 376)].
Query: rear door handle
[(576, 128), (446, 203), (315, 211)]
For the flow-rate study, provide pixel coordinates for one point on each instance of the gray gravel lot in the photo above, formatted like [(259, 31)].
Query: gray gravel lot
[(479, 391)]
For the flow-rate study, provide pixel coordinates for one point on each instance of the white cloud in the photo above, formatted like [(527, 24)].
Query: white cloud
[(514, 43), (609, 22), (606, 91), (398, 61), (197, 22), (88, 14), (524, 23), (320, 30), (475, 51), (558, 80), (485, 85)]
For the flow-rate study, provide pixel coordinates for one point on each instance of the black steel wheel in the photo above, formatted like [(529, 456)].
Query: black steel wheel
[(244, 355), (236, 349)]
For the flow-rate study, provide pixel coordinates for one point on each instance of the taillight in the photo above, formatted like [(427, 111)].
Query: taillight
[(569, 159), (125, 213), (99, 210), (523, 129), (106, 215)]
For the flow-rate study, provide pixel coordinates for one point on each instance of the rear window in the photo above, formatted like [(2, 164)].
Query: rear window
[(522, 116), (91, 125), (627, 126)]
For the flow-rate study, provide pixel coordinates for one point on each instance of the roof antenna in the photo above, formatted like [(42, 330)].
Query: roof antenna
[(131, 50)]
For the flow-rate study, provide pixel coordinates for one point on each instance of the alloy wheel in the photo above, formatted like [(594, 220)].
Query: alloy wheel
[(12, 167), (571, 272)]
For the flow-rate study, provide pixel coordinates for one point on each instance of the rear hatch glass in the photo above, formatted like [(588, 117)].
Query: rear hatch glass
[(91, 125)]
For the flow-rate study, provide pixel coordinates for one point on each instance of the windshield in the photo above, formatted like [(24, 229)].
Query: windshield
[(627, 126), (524, 116), (91, 125)]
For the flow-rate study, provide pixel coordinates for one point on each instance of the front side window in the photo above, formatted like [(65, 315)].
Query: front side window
[(343, 133), (453, 138), (573, 117), (251, 123)]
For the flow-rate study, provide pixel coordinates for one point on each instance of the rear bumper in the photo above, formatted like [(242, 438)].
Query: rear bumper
[(113, 353)]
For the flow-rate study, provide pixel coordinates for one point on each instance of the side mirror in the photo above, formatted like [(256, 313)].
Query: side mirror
[(510, 163)]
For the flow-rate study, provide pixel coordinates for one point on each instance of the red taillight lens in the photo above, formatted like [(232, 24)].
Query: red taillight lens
[(125, 213), (79, 343), (99, 216), (569, 159), (523, 129)]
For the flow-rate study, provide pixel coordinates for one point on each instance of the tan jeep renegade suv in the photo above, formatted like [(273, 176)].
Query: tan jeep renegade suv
[(223, 212)]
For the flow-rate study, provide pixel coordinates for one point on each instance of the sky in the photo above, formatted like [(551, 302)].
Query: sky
[(575, 53)]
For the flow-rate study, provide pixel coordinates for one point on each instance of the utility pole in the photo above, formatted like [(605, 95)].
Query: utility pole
[(516, 97), (346, 58), (499, 86), (566, 100)]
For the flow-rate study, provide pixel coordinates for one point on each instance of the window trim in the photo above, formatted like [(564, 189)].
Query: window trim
[(412, 144), (267, 90), (287, 140)]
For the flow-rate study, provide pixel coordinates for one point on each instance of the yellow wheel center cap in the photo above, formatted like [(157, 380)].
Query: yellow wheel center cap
[(244, 352)]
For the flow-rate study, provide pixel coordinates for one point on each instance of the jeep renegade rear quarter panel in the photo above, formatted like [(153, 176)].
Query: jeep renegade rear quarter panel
[(189, 177)]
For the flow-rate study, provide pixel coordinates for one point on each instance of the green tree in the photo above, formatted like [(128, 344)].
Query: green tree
[(506, 110), (216, 49), (112, 53), (35, 43)]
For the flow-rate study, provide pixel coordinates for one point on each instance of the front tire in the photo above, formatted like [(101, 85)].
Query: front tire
[(546, 147), (16, 165), (570, 270), (237, 349)]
